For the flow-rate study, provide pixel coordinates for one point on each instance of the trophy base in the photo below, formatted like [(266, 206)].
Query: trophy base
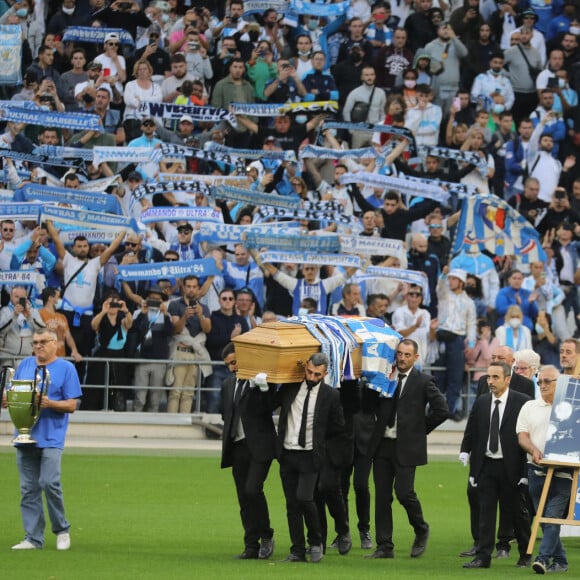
[(23, 439)]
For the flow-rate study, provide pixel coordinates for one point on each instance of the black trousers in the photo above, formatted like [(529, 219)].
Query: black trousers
[(505, 529), (249, 477), (495, 488), (360, 471), (299, 478), (388, 475), (328, 492)]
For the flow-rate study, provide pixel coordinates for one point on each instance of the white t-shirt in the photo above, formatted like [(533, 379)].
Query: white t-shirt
[(81, 291)]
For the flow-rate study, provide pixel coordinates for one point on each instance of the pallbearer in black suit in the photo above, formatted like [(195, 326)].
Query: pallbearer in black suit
[(249, 446), (399, 444), (498, 463), (311, 419)]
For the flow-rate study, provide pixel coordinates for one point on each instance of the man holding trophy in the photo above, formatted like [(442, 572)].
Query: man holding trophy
[(39, 396)]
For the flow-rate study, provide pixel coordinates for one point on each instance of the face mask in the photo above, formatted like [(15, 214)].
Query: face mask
[(561, 83), (515, 322), (303, 53), (539, 328), (574, 30), (301, 119), (58, 304), (68, 11), (497, 108), (303, 312), (496, 71), (165, 18), (312, 24), (410, 84), (22, 12)]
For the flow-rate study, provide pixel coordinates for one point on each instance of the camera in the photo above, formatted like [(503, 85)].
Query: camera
[(552, 83), (560, 194), (115, 305), (22, 302), (125, 5), (262, 53), (88, 98), (46, 98), (193, 303), (193, 46), (153, 303), (286, 66)]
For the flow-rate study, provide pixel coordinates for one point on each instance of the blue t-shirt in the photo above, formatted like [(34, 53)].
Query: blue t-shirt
[(50, 430)]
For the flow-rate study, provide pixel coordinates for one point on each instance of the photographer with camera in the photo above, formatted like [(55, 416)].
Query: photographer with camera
[(149, 339), (191, 321), (18, 321)]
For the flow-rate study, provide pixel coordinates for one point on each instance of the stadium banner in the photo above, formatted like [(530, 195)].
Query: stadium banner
[(19, 277), (264, 213), (45, 118), (20, 211), (161, 270), (173, 112), (188, 214), (93, 236), (216, 233), (89, 219), (172, 186)]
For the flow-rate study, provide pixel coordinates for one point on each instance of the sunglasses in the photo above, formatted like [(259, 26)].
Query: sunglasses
[(414, 294), (131, 244), (184, 231), (227, 298), (112, 43), (436, 227), (148, 124)]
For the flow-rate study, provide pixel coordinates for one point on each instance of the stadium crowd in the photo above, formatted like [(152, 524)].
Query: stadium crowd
[(490, 88)]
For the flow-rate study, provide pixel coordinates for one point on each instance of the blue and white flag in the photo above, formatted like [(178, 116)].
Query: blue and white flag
[(37, 159), (89, 199), (125, 154), (163, 270), (314, 215), (172, 149), (257, 109), (88, 219), (20, 211), (19, 278), (372, 246), (408, 276), (378, 351), (220, 234), (253, 153), (260, 6), (93, 35), (470, 157), (257, 197), (173, 112), (170, 187), (234, 180), (489, 223), (317, 9), (64, 152), (93, 236), (45, 118), (403, 185), (345, 260), (188, 214), (313, 152), (275, 241), (11, 50)]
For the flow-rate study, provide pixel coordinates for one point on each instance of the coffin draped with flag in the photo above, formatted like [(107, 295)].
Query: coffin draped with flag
[(358, 347)]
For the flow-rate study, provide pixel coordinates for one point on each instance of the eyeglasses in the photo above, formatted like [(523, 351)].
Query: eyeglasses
[(132, 244), (546, 381), (183, 231), (436, 227), (414, 294), (42, 342), (227, 298), (112, 43)]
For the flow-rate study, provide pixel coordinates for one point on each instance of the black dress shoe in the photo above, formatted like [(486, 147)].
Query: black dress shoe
[(502, 554), (476, 564), (469, 553), (524, 562), (247, 555), (380, 554), (294, 558), (420, 544), (266, 549)]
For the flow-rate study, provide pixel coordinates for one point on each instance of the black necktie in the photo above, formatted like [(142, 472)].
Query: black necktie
[(391, 422), (494, 429), (302, 432), (240, 387)]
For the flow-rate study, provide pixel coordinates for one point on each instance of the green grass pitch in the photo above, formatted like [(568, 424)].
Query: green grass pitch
[(173, 515)]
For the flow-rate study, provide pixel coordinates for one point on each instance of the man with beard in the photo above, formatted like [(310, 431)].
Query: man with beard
[(170, 88), (347, 73)]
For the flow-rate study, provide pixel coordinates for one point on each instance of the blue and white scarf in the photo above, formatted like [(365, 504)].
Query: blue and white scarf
[(256, 197), (20, 211), (303, 214), (46, 118), (162, 270), (275, 241), (253, 153), (90, 219), (171, 111), (345, 260), (189, 214), (216, 233), (92, 35), (313, 151), (173, 186)]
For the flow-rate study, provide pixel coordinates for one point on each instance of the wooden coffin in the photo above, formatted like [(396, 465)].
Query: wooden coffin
[(281, 350)]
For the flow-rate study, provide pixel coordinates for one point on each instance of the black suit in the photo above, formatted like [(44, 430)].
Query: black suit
[(505, 531), (299, 469), (250, 457), (497, 479), (395, 460)]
